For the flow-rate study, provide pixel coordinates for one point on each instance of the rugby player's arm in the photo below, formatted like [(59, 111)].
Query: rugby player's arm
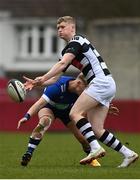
[(54, 72), (37, 106), (32, 110), (52, 80), (59, 67)]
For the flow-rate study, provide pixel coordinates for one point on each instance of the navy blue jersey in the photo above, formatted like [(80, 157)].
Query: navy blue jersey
[(58, 95)]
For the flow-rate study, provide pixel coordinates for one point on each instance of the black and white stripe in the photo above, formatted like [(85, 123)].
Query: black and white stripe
[(87, 56), (85, 128), (110, 140), (33, 143)]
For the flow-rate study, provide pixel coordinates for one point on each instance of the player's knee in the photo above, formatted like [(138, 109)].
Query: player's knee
[(43, 125), (45, 121), (74, 115)]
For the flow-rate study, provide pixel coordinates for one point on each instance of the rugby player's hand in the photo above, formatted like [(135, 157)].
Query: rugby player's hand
[(113, 110), (21, 121), (31, 83)]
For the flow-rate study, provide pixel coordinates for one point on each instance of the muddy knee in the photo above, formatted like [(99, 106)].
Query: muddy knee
[(41, 128)]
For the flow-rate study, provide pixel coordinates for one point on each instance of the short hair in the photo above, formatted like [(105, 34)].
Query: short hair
[(68, 19)]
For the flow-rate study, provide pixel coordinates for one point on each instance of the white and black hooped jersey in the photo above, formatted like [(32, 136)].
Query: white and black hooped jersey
[(87, 59)]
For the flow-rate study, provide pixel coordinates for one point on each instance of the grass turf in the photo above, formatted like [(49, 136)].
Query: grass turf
[(57, 157)]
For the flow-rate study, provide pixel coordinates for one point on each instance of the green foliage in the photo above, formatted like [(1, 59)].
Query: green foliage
[(57, 157)]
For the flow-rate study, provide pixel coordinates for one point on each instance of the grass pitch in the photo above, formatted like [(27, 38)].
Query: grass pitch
[(57, 157)]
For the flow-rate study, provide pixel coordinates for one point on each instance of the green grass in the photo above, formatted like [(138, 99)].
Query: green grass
[(57, 157)]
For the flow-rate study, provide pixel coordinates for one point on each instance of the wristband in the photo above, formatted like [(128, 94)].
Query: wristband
[(27, 116)]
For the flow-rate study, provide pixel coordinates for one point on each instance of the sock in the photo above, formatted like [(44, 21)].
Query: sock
[(126, 151), (110, 140), (32, 145), (85, 128)]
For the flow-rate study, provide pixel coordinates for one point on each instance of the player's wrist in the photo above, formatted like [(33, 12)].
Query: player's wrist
[(27, 116)]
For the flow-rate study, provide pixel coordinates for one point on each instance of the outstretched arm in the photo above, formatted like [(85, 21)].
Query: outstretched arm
[(33, 109), (52, 80), (57, 69), (29, 84)]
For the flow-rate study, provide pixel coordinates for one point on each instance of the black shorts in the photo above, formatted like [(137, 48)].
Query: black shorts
[(63, 115)]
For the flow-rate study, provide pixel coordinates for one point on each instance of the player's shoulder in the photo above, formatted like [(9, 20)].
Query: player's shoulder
[(80, 39), (77, 38), (63, 83), (60, 85), (52, 90)]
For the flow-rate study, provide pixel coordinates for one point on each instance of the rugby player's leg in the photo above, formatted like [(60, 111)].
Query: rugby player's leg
[(85, 145), (78, 114), (45, 119), (97, 119)]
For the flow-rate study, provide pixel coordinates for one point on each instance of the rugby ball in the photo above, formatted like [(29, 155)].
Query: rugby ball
[(16, 90)]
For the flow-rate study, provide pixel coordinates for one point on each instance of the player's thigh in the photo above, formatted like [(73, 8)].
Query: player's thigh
[(83, 104), (97, 119)]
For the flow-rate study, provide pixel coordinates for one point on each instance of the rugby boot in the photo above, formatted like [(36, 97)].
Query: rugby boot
[(129, 160), (94, 154), (26, 159)]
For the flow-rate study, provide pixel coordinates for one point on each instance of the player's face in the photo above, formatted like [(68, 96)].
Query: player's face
[(66, 30)]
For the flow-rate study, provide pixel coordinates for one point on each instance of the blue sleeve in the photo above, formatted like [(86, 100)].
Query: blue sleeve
[(52, 91)]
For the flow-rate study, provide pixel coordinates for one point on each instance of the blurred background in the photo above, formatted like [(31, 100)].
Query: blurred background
[(29, 46)]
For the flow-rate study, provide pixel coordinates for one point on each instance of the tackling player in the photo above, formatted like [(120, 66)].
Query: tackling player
[(56, 102)]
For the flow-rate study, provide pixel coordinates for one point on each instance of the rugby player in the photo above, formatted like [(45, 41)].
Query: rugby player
[(90, 109)]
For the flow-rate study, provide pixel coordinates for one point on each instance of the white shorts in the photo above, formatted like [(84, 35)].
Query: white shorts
[(102, 89)]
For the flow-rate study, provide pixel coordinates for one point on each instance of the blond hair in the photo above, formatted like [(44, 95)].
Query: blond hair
[(68, 19)]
